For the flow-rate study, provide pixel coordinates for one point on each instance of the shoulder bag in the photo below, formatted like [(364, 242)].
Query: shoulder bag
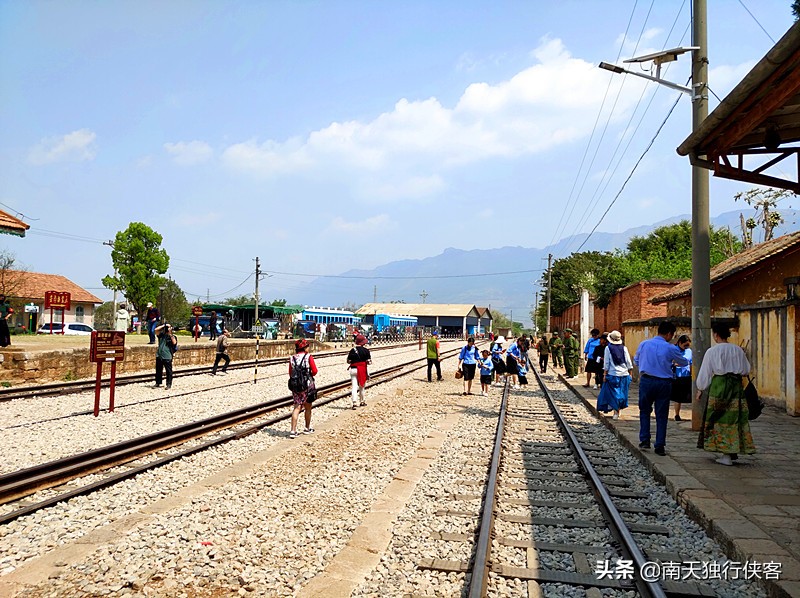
[(754, 403)]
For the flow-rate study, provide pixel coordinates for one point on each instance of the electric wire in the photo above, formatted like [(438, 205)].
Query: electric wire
[(557, 229), (635, 166), (757, 22)]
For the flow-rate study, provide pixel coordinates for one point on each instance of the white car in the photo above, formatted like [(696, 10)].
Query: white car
[(73, 328)]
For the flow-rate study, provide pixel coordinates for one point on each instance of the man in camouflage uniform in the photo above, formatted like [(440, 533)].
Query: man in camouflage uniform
[(556, 345), (571, 353)]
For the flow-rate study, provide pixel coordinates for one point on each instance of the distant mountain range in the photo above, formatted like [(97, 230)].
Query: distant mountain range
[(512, 294)]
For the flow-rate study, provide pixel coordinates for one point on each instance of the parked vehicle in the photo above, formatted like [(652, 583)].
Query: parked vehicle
[(72, 329)]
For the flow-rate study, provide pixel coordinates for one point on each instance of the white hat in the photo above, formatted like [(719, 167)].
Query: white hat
[(614, 337), (500, 339)]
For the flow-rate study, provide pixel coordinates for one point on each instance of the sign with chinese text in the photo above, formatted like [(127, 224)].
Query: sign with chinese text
[(107, 345), (56, 300), (197, 310)]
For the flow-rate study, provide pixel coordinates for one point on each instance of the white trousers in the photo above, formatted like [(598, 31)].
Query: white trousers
[(356, 390)]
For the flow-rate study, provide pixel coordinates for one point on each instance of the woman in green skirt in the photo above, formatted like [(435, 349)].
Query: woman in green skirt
[(726, 428)]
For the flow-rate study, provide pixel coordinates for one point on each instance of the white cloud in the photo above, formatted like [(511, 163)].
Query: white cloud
[(722, 79), (72, 147), (188, 153), (411, 149), (377, 224), (198, 219)]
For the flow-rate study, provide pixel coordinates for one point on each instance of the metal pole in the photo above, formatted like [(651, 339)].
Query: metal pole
[(258, 272), (701, 259), (549, 284)]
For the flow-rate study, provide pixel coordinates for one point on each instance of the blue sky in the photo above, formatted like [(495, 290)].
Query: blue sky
[(325, 136)]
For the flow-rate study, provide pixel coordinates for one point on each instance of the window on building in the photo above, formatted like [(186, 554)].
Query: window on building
[(79, 313)]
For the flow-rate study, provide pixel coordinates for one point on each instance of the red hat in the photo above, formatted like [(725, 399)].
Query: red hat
[(361, 340), (300, 344)]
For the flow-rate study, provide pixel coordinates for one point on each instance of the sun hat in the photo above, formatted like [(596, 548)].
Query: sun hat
[(614, 337), (300, 343), (361, 340)]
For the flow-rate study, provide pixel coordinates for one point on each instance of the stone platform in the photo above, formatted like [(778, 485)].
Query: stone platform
[(752, 508)]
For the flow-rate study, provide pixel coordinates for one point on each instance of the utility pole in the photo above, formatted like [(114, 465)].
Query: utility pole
[(535, 308), (549, 285), (701, 260), (258, 275), (113, 313), (423, 294)]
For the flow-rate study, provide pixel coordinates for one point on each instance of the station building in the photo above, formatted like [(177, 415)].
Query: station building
[(451, 319)]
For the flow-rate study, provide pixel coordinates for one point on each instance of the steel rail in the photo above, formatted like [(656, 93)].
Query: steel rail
[(25, 482), (616, 524), (61, 388), (483, 547)]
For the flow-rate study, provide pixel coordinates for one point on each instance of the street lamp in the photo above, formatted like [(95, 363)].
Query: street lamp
[(701, 246)]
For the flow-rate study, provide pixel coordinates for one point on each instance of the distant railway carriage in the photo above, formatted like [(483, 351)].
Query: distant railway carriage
[(383, 321), (324, 315)]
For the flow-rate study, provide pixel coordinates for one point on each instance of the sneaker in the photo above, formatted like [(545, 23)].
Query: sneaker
[(644, 445), (484, 393), (293, 434), (724, 460), (168, 386), (678, 418), (308, 431), (464, 393), (660, 450), (353, 407), (616, 416), (515, 387), (212, 374), (594, 387), (362, 404)]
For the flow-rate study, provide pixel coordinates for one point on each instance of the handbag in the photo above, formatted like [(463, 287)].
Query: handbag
[(459, 374), (754, 403)]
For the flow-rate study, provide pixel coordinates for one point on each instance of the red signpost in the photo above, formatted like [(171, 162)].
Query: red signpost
[(197, 311), (106, 345), (57, 300)]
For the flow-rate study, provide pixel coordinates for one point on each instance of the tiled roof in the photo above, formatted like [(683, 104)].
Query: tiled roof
[(737, 263), (419, 309), (32, 285), (12, 225)]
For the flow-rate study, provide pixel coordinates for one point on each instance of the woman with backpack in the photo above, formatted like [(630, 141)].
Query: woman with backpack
[(357, 361), (302, 370), (467, 362)]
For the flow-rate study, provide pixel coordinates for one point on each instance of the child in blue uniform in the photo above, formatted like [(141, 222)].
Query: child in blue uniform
[(486, 372)]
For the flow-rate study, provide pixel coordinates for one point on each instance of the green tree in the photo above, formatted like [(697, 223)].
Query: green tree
[(796, 9), (240, 300), (174, 307), (278, 302), (138, 259), (104, 316)]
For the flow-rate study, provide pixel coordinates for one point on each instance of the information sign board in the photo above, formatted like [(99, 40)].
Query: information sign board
[(107, 345), (258, 328), (197, 310), (56, 300)]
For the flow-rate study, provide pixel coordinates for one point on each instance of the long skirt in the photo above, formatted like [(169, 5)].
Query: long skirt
[(726, 428), (614, 393)]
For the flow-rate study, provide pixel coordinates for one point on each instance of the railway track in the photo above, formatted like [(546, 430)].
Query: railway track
[(76, 386), (54, 477), (554, 509)]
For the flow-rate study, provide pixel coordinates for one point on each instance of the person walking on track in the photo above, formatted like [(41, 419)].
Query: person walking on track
[(588, 352), (498, 358), (467, 362), (543, 348), (655, 357), (726, 428), (556, 346), (358, 359), (571, 348), (434, 358), (302, 370), (222, 353), (153, 315)]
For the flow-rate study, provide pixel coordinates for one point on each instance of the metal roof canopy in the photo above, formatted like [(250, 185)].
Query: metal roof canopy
[(760, 115)]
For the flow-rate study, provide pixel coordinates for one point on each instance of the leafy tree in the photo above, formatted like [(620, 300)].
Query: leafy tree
[(174, 308), (767, 216), (796, 9), (104, 316), (138, 259), (240, 300), (10, 273), (278, 302)]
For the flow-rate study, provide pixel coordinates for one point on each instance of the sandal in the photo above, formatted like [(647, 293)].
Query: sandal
[(293, 434)]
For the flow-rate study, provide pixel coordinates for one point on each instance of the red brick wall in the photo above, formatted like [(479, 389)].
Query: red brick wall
[(630, 303)]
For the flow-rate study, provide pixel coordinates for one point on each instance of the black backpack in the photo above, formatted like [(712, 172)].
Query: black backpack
[(300, 376)]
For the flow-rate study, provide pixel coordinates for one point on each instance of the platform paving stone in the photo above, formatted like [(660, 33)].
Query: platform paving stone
[(752, 508)]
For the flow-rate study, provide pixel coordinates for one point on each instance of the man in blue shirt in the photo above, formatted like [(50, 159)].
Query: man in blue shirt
[(654, 358), (588, 351)]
